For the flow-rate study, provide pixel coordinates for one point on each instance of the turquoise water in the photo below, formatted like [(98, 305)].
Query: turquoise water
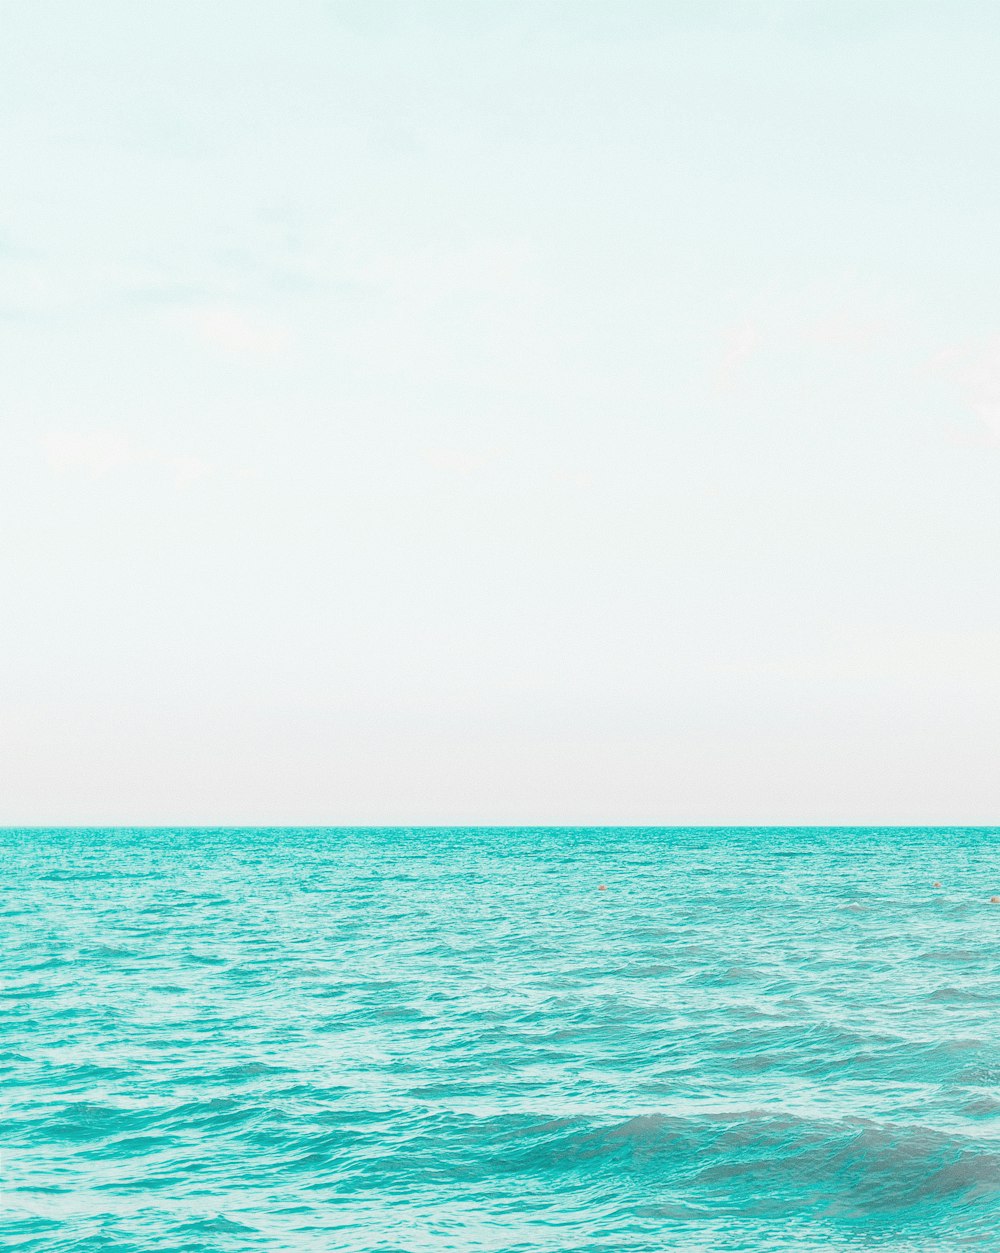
[(452, 1039)]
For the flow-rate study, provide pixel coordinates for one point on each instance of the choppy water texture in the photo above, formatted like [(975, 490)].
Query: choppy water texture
[(444, 1039)]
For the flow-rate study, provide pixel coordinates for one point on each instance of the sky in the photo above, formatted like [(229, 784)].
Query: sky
[(497, 412)]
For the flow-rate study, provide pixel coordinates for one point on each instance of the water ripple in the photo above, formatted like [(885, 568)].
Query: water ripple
[(441, 1039)]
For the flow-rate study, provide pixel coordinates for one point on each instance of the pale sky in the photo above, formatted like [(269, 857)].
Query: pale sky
[(499, 412)]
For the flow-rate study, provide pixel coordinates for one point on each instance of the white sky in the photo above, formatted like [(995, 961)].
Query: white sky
[(499, 412)]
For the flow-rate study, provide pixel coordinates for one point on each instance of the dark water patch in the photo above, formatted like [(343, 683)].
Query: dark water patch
[(108, 950), (86, 1121), (962, 996), (985, 1105), (219, 1225)]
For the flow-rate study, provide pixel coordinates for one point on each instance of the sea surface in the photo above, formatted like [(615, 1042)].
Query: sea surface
[(442, 1039)]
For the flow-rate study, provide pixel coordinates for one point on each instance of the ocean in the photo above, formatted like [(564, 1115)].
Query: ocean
[(500, 1039)]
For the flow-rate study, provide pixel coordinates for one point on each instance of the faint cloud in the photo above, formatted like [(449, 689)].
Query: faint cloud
[(99, 454), (459, 462), (239, 333), (539, 471), (974, 369), (804, 321), (741, 342), (188, 469), (881, 655), (428, 276), (94, 454), (845, 330), (574, 478)]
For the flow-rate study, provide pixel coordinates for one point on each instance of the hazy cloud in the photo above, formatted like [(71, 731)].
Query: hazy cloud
[(99, 454), (974, 368), (240, 333)]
